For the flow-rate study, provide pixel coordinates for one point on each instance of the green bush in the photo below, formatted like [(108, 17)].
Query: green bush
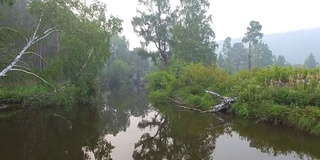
[(187, 83), (280, 95)]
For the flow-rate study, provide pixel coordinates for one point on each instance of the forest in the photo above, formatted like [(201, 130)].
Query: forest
[(63, 52)]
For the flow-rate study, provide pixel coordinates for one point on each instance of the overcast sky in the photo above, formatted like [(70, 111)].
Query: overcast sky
[(231, 17)]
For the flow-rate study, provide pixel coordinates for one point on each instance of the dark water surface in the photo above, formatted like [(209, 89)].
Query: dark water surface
[(124, 127)]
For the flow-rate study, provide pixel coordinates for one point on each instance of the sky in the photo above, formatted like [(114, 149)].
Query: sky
[(232, 17)]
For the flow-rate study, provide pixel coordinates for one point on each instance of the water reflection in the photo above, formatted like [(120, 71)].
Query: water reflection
[(75, 134), (189, 135), (179, 135), (277, 140), (42, 135), (125, 127)]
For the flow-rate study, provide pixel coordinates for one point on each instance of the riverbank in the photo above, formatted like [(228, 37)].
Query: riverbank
[(279, 95), (30, 96)]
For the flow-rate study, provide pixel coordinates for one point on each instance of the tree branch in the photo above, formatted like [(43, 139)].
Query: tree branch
[(37, 54), (46, 33), (84, 65), (31, 73), (15, 31), (22, 67)]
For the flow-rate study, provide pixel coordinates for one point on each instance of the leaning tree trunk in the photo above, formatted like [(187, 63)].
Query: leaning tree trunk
[(14, 66)]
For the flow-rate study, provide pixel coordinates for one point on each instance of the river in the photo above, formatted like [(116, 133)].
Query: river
[(124, 127)]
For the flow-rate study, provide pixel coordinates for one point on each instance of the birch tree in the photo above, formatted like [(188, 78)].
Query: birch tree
[(84, 44), (15, 64)]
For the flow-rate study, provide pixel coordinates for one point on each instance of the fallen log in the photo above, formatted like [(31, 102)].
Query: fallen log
[(181, 105), (225, 102)]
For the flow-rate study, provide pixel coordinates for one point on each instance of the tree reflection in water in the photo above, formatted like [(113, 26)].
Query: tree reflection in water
[(79, 133), (190, 135), (175, 134), (179, 135), (277, 140), (102, 152)]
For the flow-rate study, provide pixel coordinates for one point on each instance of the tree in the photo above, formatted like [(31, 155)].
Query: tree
[(252, 36), (281, 61), (238, 52), (220, 60), (85, 42), (262, 55), (225, 55), (193, 37), (234, 55), (153, 24), (310, 62)]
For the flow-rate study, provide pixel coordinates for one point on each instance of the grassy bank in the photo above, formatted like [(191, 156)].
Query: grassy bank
[(286, 96), (280, 95), (35, 96)]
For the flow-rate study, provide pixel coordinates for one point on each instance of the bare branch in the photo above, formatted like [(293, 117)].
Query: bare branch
[(64, 118), (27, 72), (84, 65), (45, 35), (14, 30), (23, 62), (22, 67), (37, 28), (37, 55)]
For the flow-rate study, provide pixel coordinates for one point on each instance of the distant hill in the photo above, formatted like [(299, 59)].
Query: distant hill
[(295, 46)]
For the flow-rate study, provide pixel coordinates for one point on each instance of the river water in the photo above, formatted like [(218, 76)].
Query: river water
[(124, 127)]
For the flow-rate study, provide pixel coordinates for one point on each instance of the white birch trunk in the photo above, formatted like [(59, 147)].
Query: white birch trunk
[(13, 66)]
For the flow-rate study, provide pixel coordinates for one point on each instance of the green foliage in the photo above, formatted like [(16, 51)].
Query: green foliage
[(9, 2), (307, 119), (252, 36), (279, 95), (153, 24), (281, 61), (187, 84), (193, 37), (262, 56), (273, 94), (253, 33), (16, 95), (70, 57), (311, 62), (233, 57)]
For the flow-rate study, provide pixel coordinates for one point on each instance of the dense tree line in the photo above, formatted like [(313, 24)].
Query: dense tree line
[(68, 58)]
